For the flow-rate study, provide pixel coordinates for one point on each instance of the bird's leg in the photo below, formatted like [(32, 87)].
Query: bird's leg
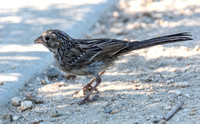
[(98, 81), (89, 86)]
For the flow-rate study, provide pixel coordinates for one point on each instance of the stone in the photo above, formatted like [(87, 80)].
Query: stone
[(187, 95), (43, 82), (116, 14), (105, 104), (157, 100), (135, 122), (26, 105), (178, 92), (182, 84), (108, 110), (16, 101), (15, 117), (163, 122), (168, 107), (1, 83), (55, 113), (31, 88), (38, 100)]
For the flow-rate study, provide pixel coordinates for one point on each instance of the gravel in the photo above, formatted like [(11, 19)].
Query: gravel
[(142, 86)]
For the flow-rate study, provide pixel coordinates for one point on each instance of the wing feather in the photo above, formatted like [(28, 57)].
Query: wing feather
[(97, 49)]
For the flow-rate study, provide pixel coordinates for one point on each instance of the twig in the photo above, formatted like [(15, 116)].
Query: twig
[(174, 110)]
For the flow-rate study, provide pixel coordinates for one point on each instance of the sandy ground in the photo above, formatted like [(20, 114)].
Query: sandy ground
[(141, 87)]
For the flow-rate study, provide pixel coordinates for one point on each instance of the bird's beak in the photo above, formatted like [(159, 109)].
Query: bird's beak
[(39, 40)]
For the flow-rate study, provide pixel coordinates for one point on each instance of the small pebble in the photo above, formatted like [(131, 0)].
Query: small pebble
[(16, 101), (40, 111), (55, 113), (52, 120), (116, 14), (107, 110), (155, 121), (182, 84), (157, 100), (135, 122), (192, 113), (1, 83), (15, 117), (178, 92), (26, 105), (38, 100), (187, 95), (31, 88), (163, 122), (194, 110), (105, 104), (43, 82), (168, 107)]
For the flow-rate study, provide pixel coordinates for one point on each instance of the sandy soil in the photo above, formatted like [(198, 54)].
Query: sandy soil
[(142, 86)]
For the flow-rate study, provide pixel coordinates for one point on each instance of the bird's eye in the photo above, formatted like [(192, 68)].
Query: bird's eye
[(47, 38)]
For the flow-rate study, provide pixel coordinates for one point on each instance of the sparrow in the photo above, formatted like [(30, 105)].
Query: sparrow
[(94, 56)]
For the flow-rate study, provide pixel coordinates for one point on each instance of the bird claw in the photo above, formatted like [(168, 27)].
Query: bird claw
[(76, 93), (85, 90)]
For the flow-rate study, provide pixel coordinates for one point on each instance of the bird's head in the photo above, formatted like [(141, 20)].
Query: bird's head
[(53, 39)]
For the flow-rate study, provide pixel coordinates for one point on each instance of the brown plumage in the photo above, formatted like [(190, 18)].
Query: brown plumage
[(92, 56)]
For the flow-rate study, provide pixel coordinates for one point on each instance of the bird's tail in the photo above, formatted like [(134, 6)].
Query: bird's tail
[(160, 40)]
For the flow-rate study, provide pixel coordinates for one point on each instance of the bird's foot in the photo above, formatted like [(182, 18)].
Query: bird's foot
[(87, 88), (93, 98)]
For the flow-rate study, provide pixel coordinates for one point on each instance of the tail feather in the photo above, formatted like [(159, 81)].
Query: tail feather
[(160, 40)]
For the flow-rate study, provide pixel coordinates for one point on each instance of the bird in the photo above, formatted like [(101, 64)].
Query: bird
[(93, 56)]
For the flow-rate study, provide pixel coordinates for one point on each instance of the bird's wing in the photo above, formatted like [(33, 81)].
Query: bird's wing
[(111, 46), (96, 49)]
